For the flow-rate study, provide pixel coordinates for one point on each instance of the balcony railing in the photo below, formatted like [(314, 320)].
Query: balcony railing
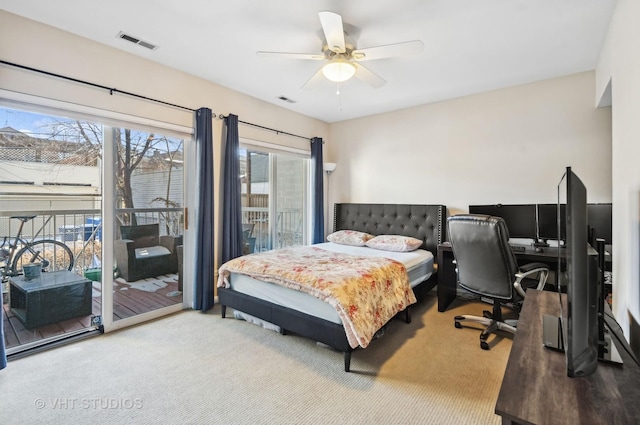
[(81, 230), (289, 228)]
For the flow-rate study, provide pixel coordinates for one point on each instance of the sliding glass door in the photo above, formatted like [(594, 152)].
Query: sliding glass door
[(50, 227), (149, 221), (101, 209), (274, 198)]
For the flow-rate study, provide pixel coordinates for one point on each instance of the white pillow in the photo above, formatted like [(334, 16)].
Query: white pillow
[(349, 237), (395, 243)]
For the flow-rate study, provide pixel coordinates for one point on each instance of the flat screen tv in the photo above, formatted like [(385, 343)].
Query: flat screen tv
[(586, 328), (580, 317)]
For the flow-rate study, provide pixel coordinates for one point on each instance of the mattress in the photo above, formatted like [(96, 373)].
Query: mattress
[(419, 265)]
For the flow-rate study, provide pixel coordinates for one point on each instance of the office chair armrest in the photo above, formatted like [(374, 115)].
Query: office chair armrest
[(540, 269), (526, 268)]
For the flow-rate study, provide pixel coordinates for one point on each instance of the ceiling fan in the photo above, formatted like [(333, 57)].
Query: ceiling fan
[(343, 58)]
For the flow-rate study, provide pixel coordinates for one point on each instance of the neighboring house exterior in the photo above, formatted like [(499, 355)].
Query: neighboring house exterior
[(45, 175), (40, 174)]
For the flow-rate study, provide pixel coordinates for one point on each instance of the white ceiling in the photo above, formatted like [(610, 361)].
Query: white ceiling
[(470, 46)]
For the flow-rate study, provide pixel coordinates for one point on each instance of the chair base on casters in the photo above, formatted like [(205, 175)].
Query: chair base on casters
[(492, 321)]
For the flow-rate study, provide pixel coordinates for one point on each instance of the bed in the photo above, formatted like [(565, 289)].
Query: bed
[(264, 300)]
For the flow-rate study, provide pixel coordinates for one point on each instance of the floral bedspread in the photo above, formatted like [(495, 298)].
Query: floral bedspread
[(365, 291)]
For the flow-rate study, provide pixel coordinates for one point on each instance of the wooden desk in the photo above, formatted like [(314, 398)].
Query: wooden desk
[(447, 279), (536, 389)]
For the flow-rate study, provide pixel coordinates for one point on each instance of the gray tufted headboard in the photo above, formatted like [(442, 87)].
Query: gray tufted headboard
[(426, 222)]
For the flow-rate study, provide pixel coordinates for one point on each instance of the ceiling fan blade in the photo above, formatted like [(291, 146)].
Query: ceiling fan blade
[(314, 80), (333, 31), (310, 56), (369, 77), (389, 50)]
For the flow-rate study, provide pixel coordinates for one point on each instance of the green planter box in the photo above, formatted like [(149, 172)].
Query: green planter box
[(93, 274)]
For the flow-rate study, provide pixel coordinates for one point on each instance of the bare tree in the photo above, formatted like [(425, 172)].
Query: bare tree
[(132, 149), (172, 219)]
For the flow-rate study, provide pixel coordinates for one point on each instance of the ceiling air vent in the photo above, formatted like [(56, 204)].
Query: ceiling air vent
[(286, 99), (137, 41)]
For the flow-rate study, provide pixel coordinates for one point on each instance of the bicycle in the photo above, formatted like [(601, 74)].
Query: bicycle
[(51, 254)]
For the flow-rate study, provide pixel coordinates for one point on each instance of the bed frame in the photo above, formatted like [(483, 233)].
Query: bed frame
[(425, 222)]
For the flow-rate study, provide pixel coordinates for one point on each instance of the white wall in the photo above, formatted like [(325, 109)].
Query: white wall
[(620, 64), (507, 146), (40, 172)]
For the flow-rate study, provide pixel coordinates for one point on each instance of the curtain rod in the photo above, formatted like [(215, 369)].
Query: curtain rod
[(88, 83), (267, 128)]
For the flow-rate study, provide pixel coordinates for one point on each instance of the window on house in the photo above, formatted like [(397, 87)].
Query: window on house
[(275, 197)]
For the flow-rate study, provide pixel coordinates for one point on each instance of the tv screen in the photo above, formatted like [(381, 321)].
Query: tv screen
[(520, 219), (580, 318)]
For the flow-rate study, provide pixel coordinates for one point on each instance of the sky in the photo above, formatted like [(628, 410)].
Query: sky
[(26, 122), (35, 124)]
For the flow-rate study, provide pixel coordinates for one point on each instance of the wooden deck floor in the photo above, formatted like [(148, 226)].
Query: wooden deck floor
[(128, 300)]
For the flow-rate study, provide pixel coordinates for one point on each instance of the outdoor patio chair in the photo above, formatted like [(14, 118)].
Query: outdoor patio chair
[(143, 253)]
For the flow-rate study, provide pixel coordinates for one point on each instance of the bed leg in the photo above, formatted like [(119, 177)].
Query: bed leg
[(407, 315), (223, 311), (347, 361)]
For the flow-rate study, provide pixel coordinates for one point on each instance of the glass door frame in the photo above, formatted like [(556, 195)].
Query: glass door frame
[(109, 205), (107, 119), (272, 151)]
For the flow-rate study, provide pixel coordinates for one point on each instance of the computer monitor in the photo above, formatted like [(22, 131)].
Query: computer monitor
[(599, 218), (548, 222), (520, 219)]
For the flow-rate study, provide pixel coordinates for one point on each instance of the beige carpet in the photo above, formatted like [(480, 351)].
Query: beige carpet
[(194, 368)]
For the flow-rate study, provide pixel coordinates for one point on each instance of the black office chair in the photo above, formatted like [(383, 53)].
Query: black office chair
[(487, 266)]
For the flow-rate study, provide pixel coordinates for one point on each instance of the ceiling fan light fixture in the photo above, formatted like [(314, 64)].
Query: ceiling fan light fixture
[(338, 71)]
